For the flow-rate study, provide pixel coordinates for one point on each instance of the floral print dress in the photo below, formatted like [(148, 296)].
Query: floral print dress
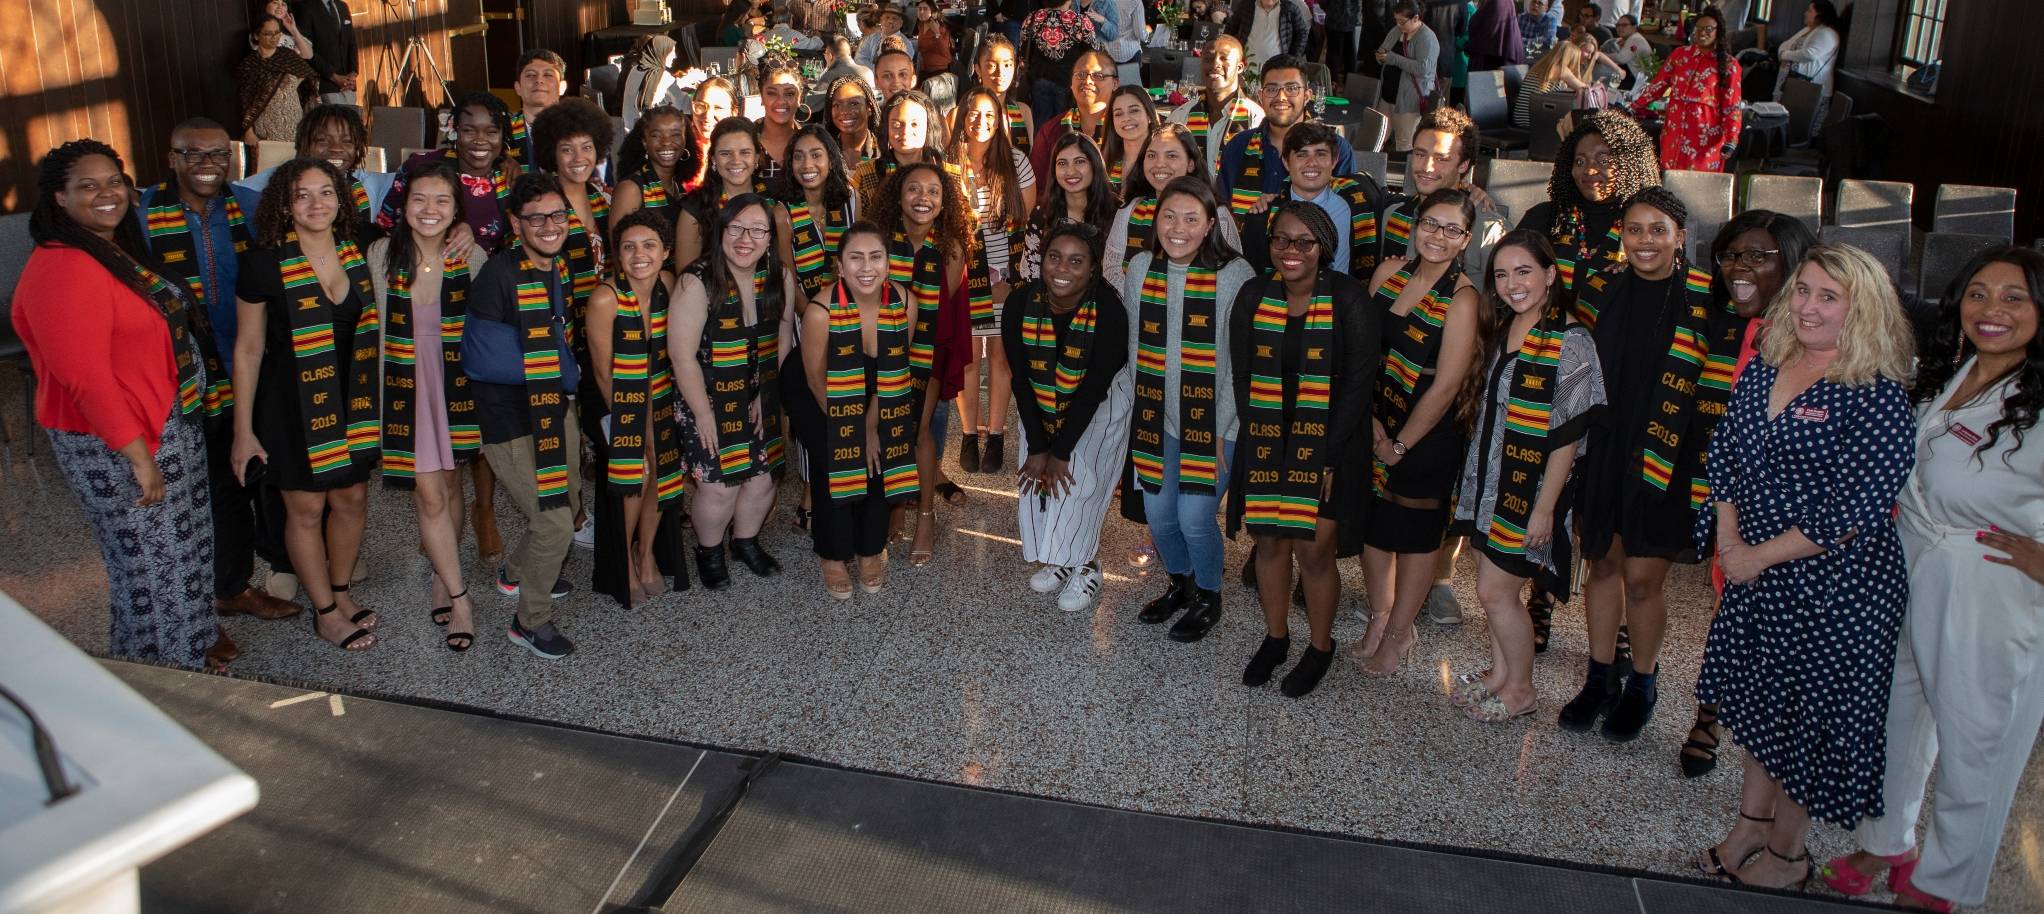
[(1702, 115)]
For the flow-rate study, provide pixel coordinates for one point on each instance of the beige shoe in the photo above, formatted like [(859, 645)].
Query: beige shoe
[(281, 584)]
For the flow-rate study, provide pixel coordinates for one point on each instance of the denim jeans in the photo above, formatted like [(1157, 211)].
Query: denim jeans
[(1186, 527)]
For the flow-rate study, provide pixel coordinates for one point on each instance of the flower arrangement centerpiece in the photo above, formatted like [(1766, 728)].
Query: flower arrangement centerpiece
[(1172, 15), (777, 48)]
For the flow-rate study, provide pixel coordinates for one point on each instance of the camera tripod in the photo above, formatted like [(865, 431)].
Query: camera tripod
[(415, 63)]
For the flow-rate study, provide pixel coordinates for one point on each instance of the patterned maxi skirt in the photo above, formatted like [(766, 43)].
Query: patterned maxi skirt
[(159, 559)]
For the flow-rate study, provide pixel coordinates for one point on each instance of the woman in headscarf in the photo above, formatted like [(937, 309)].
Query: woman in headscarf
[(649, 81), (267, 81)]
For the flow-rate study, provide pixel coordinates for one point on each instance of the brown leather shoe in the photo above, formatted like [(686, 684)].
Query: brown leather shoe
[(223, 652), (253, 602)]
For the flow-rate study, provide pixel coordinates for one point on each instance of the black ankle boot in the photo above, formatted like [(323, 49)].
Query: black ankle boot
[(1600, 692), (1305, 677), (994, 455), (1635, 708), (1269, 656), (1200, 616), (754, 558), (968, 453), (710, 567), (1175, 597)]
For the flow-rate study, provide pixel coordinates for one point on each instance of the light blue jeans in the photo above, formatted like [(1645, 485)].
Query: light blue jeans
[(1187, 527)]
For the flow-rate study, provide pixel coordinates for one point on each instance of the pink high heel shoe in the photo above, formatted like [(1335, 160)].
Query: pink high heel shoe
[(1847, 880), (1898, 882)]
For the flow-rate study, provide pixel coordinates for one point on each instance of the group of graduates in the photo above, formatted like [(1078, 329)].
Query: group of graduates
[(1208, 318)]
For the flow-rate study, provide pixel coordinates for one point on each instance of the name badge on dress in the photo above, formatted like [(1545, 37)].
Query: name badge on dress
[(1966, 435), (1811, 413)]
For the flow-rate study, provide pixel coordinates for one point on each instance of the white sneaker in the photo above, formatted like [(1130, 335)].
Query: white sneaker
[(1081, 590), (1442, 607), (1049, 578), (585, 535)]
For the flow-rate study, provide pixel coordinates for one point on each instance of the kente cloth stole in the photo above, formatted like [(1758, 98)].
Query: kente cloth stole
[(1576, 250), (742, 368), (653, 192), (1056, 369), (1141, 222), (919, 267), (599, 206), (1248, 189), (642, 398), (176, 247), (583, 253), (1073, 124), (337, 434), (1018, 127), (846, 399), (360, 196), (1114, 176), (515, 146), (177, 312), (1198, 456), (1285, 462), (815, 244), (1199, 121), (1410, 355), (1529, 434), (1362, 222), (546, 406), (400, 374)]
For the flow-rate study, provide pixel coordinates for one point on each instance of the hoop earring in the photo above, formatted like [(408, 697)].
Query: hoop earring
[(803, 113)]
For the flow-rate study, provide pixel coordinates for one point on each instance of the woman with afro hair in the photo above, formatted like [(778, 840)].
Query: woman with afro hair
[(1605, 160)]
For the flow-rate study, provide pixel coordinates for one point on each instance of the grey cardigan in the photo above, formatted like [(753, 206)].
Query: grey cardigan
[(1416, 71), (1227, 282)]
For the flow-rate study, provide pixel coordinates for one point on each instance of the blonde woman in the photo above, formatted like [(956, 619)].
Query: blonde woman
[(1568, 65)]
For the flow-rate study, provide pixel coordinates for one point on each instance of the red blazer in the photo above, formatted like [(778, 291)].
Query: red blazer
[(101, 351)]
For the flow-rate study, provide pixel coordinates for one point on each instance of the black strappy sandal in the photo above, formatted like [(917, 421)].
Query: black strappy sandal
[(1699, 757), (1716, 868), (950, 492), (441, 613), (1809, 866), (466, 639), (1540, 606), (359, 616), (346, 643)]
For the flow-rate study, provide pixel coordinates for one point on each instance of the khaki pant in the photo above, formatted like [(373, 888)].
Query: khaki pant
[(548, 534)]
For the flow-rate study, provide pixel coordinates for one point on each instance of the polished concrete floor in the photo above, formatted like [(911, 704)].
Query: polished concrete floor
[(957, 672)]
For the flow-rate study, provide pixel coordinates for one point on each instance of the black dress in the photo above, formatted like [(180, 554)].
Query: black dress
[(279, 425), (1632, 334), (1411, 514)]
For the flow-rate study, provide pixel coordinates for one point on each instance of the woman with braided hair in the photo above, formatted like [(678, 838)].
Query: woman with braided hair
[(305, 371), (1700, 126), (118, 350), (1668, 348), (1604, 161)]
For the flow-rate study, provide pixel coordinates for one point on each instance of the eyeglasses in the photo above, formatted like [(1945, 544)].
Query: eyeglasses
[(1749, 258), (1285, 88), (1284, 243), (750, 232), (557, 217), (1093, 76), (203, 156), (1451, 232)]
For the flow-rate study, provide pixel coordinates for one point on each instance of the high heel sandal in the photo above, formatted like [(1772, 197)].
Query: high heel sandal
[(1842, 877), (441, 613), (1699, 757), (348, 643), (1713, 866), (921, 557), (837, 580), (360, 614), (1809, 868), (1404, 659), (467, 639), (1899, 883)]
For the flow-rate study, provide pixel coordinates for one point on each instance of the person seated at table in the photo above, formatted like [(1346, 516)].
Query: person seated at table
[(735, 25), (1093, 82), (891, 20), (1590, 20), (994, 68), (1220, 110), (1539, 26), (912, 133), (733, 171), (1631, 48), (650, 80), (1132, 116), (1252, 164)]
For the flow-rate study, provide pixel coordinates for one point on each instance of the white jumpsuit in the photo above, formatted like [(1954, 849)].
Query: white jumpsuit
[(1968, 694)]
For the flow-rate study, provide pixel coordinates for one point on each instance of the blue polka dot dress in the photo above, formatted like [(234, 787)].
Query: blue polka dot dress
[(1800, 660)]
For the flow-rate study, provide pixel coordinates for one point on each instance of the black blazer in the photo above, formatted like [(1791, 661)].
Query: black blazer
[(333, 39)]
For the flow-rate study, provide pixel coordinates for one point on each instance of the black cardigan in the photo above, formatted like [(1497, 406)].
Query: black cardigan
[(1110, 354)]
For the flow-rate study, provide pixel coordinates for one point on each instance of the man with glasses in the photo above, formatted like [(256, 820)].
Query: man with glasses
[(194, 231), (1094, 80), (515, 352), (1252, 171), (1221, 111)]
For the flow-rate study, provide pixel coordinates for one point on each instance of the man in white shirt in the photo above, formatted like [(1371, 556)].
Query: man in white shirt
[(1263, 43), (1615, 10)]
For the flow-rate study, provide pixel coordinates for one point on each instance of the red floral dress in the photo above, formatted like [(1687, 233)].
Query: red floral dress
[(1702, 116)]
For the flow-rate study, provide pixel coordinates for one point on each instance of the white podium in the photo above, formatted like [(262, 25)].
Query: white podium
[(145, 785)]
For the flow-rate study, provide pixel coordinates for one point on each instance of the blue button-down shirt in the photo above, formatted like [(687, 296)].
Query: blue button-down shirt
[(218, 268), (1273, 173)]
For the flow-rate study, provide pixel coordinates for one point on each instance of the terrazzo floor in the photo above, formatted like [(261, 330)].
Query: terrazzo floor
[(957, 672)]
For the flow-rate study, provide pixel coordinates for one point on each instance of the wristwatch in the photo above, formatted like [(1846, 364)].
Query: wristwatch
[(1398, 447)]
